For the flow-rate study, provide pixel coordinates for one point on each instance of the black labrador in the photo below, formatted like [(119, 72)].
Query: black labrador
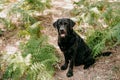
[(75, 50)]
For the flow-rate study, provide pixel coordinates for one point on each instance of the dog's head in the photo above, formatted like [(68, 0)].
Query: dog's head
[(64, 26)]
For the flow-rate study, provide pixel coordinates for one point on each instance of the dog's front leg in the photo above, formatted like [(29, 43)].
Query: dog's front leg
[(64, 67), (70, 71)]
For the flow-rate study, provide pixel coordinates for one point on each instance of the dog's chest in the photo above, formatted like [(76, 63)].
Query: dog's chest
[(65, 45)]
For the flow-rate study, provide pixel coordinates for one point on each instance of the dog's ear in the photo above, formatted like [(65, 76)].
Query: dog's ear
[(71, 22), (55, 24)]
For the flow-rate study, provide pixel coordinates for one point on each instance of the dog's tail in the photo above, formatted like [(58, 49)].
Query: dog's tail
[(104, 54)]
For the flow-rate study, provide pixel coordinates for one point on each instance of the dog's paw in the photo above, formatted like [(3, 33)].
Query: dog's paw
[(64, 67), (70, 73), (86, 66)]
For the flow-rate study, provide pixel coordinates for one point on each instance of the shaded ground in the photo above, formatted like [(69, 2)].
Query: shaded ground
[(105, 68)]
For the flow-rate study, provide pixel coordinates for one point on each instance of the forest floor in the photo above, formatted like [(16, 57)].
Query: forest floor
[(105, 68)]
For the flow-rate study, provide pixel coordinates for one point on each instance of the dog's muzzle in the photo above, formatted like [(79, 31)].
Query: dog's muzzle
[(62, 31)]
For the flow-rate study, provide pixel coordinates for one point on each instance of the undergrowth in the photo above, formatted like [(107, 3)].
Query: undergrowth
[(103, 21), (103, 40), (35, 62), (36, 58)]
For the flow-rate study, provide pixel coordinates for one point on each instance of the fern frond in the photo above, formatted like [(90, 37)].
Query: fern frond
[(39, 72), (104, 17), (98, 48), (115, 34)]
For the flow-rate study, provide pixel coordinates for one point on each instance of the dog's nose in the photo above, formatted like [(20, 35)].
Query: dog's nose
[(62, 30), (62, 27)]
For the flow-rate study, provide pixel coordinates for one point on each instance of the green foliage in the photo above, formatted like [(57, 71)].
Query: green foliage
[(38, 72), (36, 57), (36, 60), (97, 41), (96, 38), (25, 11), (34, 63), (9, 25), (98, 13), (34, 29), (104, 18), (38, 4), (41, 52), (102, 40), (113, 35), (17, 66), (23, 33)]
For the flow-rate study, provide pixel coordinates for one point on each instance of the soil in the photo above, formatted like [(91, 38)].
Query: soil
[(105, 68)]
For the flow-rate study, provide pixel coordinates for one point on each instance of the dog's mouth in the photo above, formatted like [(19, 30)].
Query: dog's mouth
[(62, 33)]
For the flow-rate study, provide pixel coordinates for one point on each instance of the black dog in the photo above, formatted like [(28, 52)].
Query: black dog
[(76, 51)]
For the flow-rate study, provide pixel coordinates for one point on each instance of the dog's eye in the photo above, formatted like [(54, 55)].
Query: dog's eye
[(60, 22), (65, 23)]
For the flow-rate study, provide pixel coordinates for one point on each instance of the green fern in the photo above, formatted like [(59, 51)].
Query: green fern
[(25, 10), (104, 18), (114, 34), (103, 40), (34, 29), (9, 25), (38, 72), (98, 48), (95, 38), (43, 53), (35, 63), (17, 65)]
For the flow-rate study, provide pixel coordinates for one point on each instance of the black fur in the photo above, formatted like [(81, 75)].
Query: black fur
[(75, 50)]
